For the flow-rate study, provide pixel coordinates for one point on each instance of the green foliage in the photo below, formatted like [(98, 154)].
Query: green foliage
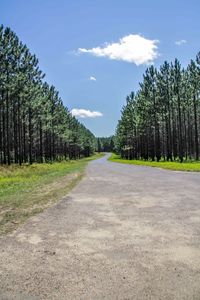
[(163, 118), (105, 144), (35, 126)]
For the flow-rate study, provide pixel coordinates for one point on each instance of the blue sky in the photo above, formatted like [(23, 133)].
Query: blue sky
[(55, 29)]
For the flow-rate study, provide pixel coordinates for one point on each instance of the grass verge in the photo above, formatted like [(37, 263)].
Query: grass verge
[(175, 166), (28, 190)]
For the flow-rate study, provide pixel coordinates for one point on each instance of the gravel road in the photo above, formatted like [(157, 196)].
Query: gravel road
[(124, 232)]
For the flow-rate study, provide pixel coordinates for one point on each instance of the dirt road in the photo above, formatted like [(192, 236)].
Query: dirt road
[(125, 232)]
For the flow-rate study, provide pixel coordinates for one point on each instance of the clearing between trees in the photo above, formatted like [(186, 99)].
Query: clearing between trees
[(124, 232), (27, 190)]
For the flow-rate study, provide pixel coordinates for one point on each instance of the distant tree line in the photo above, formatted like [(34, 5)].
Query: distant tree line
[(105, 144), (35, 126), (162, 120)]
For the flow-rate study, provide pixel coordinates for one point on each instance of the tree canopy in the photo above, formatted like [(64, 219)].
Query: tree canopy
[(35, 126), (105, 144), (162, 120)]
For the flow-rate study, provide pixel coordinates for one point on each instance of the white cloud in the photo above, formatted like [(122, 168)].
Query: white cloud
[(181, 42), (92, 78), (83, 113), (132, 48)]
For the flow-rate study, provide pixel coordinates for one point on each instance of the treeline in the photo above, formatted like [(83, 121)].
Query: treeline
[(162, 120), (35, 126), (105, 144)]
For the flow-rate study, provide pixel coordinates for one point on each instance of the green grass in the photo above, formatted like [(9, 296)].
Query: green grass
[(175, 165), (27, 190)]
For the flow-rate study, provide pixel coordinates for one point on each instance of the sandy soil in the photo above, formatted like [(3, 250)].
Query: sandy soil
[(124, 232)]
